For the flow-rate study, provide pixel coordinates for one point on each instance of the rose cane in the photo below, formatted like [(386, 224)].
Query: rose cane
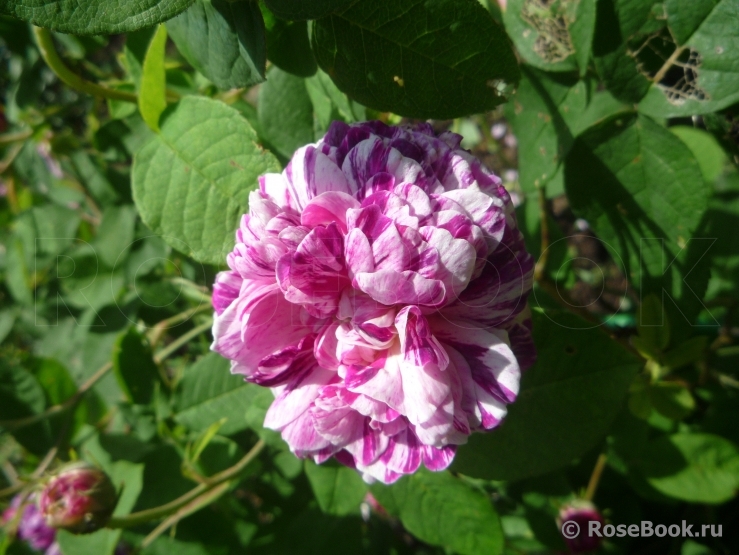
[(79, 498)]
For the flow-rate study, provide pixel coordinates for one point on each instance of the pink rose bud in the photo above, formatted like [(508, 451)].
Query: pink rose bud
[(574, 520), (79, 498)]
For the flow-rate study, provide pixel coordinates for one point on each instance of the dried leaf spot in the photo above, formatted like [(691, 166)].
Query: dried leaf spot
[(672, 67), (551, 21)]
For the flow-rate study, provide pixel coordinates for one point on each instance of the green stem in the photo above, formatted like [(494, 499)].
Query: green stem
[(181, 340), (600, 465), (192, 507), (167, 509), (52, 59)]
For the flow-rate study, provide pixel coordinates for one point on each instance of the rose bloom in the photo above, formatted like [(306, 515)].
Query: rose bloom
[(31, 525), (378, 286)]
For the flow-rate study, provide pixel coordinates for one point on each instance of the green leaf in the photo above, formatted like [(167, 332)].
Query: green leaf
[(672, 400), (686, 352), (330, 104), (698, 468), (711, 157), (567, 401), (641, 190), (56, 229), (115, 235), (305, 9), (423, 59), (443, 510), (554, 36), (223, 40), (285, 112), (192, 181), (673, 58), (653, 325), (288, 45), (153, 89), (92, 17), (7, 319), (546, 113), (706, 72), (102, 542), (134, 367), (339, 490), (544, 138), (721, 222), (209, 392), (21, 395)]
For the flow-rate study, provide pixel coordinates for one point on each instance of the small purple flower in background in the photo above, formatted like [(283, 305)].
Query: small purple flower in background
[(79, 498), (32, 527), (581, 513), (378, 286)]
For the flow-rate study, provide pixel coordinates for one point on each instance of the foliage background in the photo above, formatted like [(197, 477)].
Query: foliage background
[(618, 140)]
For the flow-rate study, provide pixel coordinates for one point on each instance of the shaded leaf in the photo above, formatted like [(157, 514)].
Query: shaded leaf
[(209, 393), (288, 45), (386, 54), (134, 367), (338, 489), (305, 9), (642, 192), (285, 112), (223, 40)]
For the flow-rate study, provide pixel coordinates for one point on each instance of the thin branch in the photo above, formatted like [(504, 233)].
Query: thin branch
[(51, 57), (167, 509), (192, 507), (181, 340), (156, 332), (668, 64), (541, 264), (600, 465), (61, 407), (15, 137)]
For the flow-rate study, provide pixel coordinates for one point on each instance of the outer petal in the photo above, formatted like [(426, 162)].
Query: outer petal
[(225, 290), (492, 363), (297, 397), (310, 173), (246, 337)]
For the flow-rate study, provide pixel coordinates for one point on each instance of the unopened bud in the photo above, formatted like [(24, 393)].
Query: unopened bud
[(79, 498), (577, 537)]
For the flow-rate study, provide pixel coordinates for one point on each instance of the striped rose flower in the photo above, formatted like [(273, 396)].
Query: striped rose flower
[(378, 286)]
